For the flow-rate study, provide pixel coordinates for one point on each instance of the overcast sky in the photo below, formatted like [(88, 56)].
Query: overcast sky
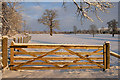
[(34, 10)]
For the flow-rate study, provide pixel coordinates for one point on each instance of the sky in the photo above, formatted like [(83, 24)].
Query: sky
[(54, 0), (66, 16)]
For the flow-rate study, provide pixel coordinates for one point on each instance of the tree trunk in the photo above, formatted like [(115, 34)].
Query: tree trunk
[(93, 34), (112, 34), (51, 31), (5, 27)]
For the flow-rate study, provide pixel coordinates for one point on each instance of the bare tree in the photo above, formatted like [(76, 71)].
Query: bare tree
[(49, 19), (75, 29), (93, 29), (11, 17), (85, 7), (112, 25)]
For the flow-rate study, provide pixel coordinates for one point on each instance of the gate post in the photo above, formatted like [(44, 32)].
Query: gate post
[(106, 55), (4, 51)]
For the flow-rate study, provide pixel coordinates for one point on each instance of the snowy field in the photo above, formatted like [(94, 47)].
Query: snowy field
[(83, 39)]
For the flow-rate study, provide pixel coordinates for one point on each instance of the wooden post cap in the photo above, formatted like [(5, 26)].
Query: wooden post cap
[(107, 42)]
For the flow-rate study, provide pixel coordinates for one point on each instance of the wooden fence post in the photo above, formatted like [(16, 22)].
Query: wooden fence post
[(27, 39), (107, 54), (23, 39), (20, 39), (104, 56), (14, 39), (4, 51)]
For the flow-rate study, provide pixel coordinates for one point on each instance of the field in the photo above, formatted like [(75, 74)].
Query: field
[(83, 39)]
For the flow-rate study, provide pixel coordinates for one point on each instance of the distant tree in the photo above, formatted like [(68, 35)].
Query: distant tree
[(112, 25), (49, 19), (102, 30), (93, 29), (75, 29), (79, 31)]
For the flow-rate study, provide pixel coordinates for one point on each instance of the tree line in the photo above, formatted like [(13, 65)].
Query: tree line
[(49, 18)]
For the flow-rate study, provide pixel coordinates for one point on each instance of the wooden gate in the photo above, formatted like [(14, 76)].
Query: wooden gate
[(58, 56)]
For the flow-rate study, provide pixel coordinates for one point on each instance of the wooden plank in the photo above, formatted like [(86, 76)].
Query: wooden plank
[(18, 39), (4, 51), (74, 45), (50, 46), (27, 39), (53, 47), (44, 68), (97, 50), (114, 54), (56, 58), (51, 63), (57, 53), (23, 39)]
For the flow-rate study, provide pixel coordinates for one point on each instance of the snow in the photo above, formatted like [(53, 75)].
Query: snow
[(82, 39)]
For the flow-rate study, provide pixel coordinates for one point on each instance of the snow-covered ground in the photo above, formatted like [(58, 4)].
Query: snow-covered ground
[(83, 39)]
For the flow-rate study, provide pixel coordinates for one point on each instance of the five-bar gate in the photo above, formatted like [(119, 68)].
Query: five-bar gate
[(59, 56)]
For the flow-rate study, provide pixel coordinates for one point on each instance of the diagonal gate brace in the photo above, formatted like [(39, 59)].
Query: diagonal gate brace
[(75, 53), (22, 64)]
